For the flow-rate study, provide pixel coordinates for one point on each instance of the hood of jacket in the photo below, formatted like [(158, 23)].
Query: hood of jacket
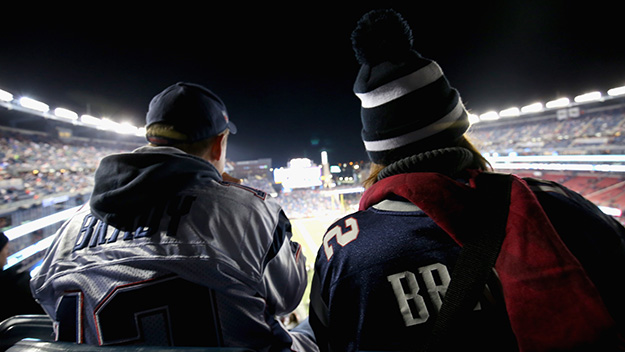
[(129, 185)]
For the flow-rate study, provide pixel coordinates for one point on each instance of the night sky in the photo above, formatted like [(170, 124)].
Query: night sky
[(286, 72)]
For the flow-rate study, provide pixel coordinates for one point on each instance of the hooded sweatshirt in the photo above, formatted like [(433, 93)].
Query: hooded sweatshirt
[(167, 253)]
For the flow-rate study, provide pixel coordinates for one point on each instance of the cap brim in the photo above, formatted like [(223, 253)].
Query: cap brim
[(232, 127)]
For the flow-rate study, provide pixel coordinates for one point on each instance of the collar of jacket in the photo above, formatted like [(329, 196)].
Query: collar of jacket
[(447, 161)]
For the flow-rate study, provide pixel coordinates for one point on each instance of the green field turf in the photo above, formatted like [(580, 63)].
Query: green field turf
[(309, 233)]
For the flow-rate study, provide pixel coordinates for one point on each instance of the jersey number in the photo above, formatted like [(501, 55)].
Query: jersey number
[(342, 238), (167, 312)]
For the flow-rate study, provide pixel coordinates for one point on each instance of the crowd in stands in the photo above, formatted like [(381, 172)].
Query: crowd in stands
[(34, 165), (599, 133)]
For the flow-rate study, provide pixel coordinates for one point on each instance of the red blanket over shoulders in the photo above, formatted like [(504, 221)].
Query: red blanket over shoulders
[(551, 302)]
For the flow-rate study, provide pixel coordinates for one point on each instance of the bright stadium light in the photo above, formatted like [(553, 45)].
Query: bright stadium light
[(68, 114), (510, 112), (34, 104), (90, 120), (5, 96), (110, 125), (489, 116), (126, 128), (536, 107), (616, 91), (473, 118), (140, 132), (592, 96), (558, 103)]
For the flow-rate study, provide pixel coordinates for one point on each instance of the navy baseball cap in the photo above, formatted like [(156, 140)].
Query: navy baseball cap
[(190, 109)]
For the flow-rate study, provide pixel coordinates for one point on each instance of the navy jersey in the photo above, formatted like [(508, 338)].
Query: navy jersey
[(382, 272)]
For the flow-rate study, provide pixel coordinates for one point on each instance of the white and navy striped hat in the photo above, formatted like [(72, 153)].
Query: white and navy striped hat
[(407, 104)]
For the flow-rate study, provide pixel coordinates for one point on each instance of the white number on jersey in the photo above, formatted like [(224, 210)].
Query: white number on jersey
[(341, 238)]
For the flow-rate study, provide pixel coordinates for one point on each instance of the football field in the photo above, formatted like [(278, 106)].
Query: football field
[(309, 233)]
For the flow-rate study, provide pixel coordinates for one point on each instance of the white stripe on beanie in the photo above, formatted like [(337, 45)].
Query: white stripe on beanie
[(414, 136), (401, 86)]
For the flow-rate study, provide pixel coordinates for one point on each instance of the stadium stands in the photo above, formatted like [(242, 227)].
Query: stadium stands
[(593, 129), (599, 130), (47, 166)]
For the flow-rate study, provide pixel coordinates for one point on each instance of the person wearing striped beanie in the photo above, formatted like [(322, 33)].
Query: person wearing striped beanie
[(402, 272), (408, 106)]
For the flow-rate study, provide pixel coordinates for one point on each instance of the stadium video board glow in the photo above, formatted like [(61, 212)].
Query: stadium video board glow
[(298, 177)]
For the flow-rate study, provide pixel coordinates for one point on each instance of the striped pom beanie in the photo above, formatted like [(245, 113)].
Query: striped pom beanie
[(407, 104)]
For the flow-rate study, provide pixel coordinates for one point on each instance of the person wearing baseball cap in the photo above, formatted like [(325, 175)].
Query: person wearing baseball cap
[(186, 113), (169, 251), (444, 254)]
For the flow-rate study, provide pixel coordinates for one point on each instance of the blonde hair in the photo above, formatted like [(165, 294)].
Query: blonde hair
[(197, 148), (479, 163)]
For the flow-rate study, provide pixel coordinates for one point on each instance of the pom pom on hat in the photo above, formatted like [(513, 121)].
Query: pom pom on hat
[(381, 35), (407, 104)]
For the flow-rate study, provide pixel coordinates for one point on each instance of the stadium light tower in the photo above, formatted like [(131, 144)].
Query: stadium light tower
[(510, 112), (90, 120), (558, 103), (33, 104), (616, 91), (592, 96), (536, 107), (5, 96), (489, 116), (473, 118), (327, 176), (126, 128), (65, 113)]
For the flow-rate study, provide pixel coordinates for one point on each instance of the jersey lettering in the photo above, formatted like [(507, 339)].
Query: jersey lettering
[(436, 278), (342, 238), (421, 313), (412, 305), (93, 232)]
